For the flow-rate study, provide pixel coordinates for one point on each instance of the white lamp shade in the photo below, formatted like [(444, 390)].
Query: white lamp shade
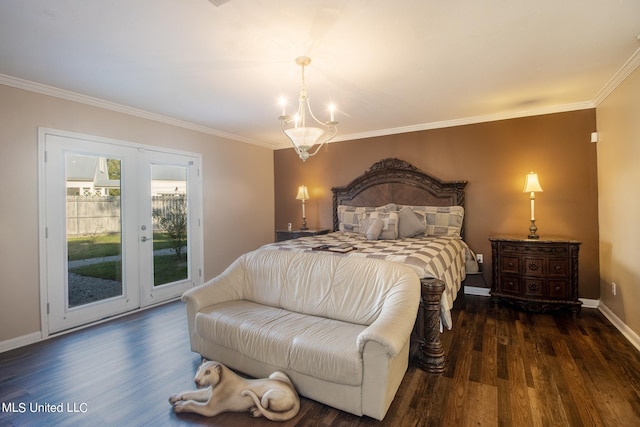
[(532, 185), (303, 194), (304, 137)]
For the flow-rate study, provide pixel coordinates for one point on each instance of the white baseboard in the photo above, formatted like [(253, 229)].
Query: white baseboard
[(20, 341), (590, 303), (628, 333), (474, 290)]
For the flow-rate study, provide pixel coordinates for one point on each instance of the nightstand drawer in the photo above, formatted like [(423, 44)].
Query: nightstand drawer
[(534, 267), (558, 267), (510, 284), (510, 264), (558, 288), (534, 287)]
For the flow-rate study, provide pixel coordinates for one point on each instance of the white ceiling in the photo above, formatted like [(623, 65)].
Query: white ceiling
[(390, 66)]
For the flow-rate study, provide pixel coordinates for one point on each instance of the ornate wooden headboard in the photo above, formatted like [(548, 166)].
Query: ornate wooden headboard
[(396, 181)]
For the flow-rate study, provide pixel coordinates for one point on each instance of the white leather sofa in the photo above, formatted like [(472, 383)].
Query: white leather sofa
[(338, 326)]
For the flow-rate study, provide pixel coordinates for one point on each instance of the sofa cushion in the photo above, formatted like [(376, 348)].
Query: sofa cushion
[(322, 284), (311, 345)]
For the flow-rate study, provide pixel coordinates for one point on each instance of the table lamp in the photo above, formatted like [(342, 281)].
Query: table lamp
[(303, 195), (532, 185)]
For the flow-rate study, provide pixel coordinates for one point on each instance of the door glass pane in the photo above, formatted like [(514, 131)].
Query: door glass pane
[(94, 235), (169, 210)]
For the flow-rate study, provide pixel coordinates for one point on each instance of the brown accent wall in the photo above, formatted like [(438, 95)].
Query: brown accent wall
[(494, 157)]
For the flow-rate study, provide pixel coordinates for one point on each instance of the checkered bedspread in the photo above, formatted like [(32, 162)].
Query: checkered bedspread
[(440, 257)]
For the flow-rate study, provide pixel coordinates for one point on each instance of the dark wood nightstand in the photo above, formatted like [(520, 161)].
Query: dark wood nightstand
[(537, 275), (294, 234)]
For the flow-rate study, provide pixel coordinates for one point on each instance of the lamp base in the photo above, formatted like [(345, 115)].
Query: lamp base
[(532, 231), (304, 224)]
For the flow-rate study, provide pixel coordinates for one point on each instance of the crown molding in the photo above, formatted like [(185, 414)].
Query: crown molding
[(112, 106), (629, 67), (468, 121)]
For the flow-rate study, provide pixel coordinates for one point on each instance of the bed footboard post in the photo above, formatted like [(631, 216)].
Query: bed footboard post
[(426, 348)]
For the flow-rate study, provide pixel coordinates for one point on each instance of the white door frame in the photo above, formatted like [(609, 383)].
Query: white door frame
[(195, 209)]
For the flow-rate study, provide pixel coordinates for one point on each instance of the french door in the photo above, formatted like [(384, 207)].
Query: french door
[(120, 227)]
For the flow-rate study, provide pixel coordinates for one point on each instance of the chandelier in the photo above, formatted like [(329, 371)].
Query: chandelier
[(304, 130)]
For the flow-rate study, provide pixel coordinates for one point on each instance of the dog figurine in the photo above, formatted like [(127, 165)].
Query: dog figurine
[(222, 390)]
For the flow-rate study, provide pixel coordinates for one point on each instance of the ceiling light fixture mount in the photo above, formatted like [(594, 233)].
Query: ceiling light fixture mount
[(303, 133)]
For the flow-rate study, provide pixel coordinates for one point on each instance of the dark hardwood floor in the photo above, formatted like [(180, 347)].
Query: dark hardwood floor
[(505, 368)]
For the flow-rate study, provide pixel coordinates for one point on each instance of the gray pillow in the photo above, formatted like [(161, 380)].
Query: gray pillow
[(409, 225), (375, 229)]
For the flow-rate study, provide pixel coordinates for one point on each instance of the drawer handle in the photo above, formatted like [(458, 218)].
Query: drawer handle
[(557, 288), (533, 266), (510, 284), (557, 268), (510, 264)]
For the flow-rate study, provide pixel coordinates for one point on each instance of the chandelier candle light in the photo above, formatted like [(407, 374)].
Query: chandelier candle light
[(303, 195), (300, 129), (532, 185)]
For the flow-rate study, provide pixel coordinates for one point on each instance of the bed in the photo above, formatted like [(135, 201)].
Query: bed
[(395, 193)]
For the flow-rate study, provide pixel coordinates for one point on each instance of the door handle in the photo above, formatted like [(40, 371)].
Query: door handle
[(144, 239)]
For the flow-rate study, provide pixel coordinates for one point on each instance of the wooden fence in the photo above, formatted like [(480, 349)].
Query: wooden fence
[(93, 215)]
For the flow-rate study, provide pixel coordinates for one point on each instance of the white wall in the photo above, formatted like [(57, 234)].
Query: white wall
[(618, 119), (238, 192)]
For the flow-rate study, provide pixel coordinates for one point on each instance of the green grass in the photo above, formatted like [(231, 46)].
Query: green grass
[(110, 270), (93, 247), (106, 245), (166, 268)]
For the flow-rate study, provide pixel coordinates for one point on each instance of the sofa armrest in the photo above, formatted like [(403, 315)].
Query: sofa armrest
[(393, 326), (227, 286)]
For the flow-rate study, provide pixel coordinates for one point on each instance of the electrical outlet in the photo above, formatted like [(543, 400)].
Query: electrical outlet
[(613, 288), (480, 258)]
